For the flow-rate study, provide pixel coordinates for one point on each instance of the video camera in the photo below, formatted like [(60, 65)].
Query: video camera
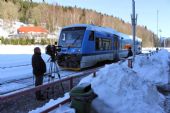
[(53, 50)]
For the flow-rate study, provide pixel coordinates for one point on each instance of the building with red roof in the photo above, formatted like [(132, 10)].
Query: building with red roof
[(32, 32), (32, 29)]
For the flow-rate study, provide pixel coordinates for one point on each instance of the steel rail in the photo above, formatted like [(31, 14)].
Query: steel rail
[(30, 83)]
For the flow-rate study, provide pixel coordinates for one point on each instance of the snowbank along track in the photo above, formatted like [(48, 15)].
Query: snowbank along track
[(52, 89), (28, 81)]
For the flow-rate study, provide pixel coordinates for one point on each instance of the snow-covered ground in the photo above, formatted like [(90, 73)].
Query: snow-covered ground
[(15, 64), (61, 109), (146, 50), (15, 61), (124, 90), (119, 88)]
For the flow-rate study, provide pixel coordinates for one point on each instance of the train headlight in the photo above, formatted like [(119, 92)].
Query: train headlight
[(76, 50)]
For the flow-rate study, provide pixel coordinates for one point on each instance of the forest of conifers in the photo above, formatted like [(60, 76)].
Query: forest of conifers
[(51, 16)]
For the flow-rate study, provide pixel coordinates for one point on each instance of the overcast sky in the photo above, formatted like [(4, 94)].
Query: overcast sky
[(146, 10)]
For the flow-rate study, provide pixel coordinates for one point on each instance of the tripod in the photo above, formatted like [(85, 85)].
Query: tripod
[(53, 71)]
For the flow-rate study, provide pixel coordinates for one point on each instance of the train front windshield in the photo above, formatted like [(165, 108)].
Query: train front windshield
[(72, 37)]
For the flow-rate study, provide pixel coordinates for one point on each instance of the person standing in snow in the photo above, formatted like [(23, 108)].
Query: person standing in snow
[(130, 53), (39, 68)]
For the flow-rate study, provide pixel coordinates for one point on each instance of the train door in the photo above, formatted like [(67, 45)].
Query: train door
[(88, 57), (116, 47)]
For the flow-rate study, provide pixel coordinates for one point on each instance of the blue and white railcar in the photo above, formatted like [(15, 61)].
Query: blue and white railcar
[(84, 45)]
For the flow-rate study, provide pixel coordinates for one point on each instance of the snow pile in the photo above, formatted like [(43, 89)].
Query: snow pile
[(153, 68), (148, 50), (65, 109), (61, 109), (123, 91)]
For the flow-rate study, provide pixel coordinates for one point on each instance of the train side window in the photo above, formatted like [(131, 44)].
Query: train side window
[(102, 44), (91, 36), (116, 41), (106, 44)]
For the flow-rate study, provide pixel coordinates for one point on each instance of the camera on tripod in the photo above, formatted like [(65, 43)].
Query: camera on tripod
[(53, 50)]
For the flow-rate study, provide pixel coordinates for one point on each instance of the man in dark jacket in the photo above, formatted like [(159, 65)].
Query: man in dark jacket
[(130, 53), (39, 68)]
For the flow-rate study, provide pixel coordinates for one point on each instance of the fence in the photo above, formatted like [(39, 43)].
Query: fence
[(17, 95)]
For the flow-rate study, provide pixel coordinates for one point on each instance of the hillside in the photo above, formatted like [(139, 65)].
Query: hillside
[(51, 16)]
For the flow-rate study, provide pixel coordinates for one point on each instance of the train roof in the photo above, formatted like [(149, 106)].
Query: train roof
[(137, 38), (94, 28), (103, 29), (124, 36)]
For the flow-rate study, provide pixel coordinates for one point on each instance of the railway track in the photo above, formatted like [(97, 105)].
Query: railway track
[(19, 101), (28, 82)]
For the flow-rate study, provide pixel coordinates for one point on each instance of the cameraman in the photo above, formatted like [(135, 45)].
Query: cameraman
[(39, 68)]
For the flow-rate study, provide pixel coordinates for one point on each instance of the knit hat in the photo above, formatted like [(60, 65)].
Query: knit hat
[(37, 50)]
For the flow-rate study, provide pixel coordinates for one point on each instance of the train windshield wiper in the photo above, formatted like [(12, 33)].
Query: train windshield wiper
[(72, 44)]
